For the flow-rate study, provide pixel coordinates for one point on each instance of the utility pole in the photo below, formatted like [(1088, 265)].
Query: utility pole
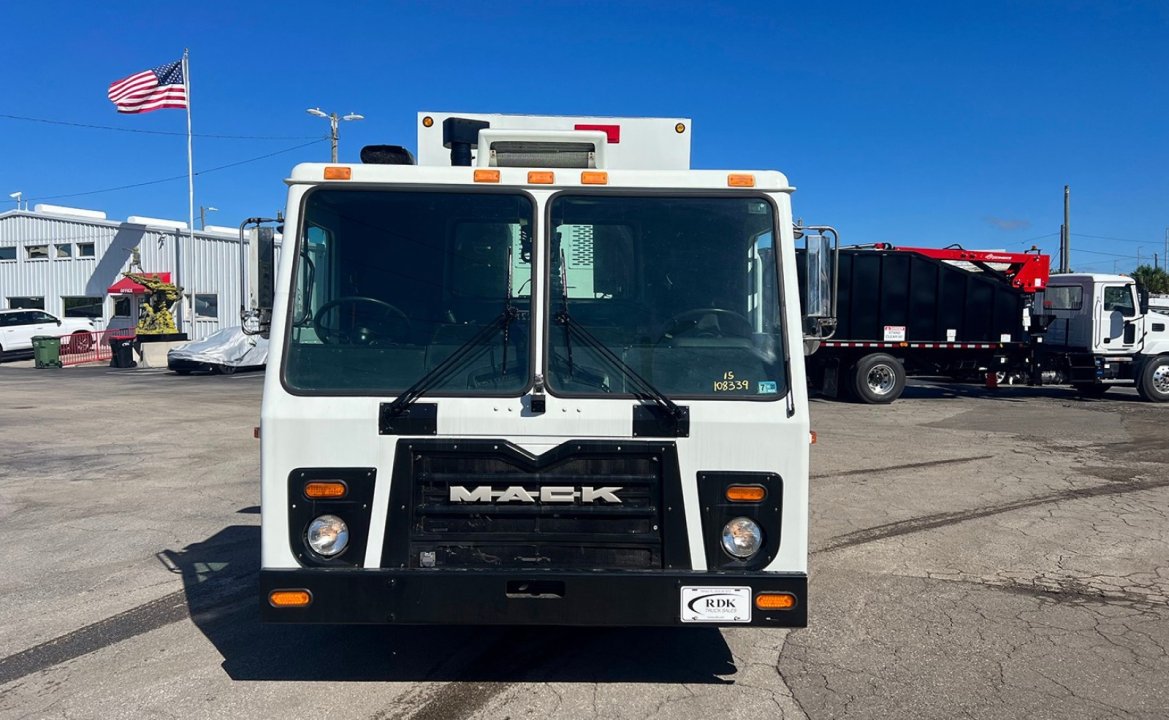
[(203, 215), (334, 122), (1065, 259)]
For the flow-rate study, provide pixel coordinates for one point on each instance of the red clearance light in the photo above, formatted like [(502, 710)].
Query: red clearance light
[(612, 132)]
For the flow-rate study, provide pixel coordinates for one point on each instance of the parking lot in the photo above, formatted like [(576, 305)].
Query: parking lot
[(974, 554)]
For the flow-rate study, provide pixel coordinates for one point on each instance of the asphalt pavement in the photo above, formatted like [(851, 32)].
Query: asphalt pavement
[(974, 554)]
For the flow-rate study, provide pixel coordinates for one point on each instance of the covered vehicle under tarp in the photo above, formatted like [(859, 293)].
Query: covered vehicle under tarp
[(224, 351)]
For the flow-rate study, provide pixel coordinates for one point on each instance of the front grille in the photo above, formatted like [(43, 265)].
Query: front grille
[(506, 522)]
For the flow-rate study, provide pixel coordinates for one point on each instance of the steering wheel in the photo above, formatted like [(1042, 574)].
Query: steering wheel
[(373, 328), (691, 323)]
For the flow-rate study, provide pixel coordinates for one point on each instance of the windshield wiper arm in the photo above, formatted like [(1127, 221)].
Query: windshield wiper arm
[(645, 390), (469, 350)]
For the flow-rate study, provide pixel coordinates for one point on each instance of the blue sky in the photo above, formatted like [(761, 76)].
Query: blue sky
[(918, 123)]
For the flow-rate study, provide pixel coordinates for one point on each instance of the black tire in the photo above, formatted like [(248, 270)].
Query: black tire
[(225, 369), (877, 379), (1091, 390), (80, 342), (1153, 381)]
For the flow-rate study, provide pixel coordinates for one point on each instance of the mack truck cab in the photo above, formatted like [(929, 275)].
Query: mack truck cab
[(1101, 333), (545, 374)]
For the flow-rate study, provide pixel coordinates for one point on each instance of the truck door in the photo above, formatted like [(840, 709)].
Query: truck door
[(1116, 319)]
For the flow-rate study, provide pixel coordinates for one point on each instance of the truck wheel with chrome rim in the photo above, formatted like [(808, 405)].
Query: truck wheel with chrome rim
[(1153, 382), (877, 379)]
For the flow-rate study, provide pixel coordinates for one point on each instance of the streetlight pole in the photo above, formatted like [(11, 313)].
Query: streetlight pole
[(203, 215), (334, 123)]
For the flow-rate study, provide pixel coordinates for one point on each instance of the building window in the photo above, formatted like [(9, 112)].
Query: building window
[(26, 303), (206, 306), (121, 306), (64, 251), (85, 307), (7, 253), (37, 252), (84, 249)]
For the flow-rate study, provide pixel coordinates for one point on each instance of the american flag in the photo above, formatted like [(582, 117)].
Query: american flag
[(162, 87)]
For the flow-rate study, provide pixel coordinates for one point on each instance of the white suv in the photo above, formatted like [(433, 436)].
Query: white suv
[(19, 327)]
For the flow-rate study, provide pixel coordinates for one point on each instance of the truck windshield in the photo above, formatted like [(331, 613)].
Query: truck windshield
[(390, 283), (682, 289)]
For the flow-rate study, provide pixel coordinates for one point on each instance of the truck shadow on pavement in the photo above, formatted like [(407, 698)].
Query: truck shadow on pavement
[(221, 584)]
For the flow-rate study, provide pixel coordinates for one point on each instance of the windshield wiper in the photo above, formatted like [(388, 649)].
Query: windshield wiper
[(465, 353), (643, 389)]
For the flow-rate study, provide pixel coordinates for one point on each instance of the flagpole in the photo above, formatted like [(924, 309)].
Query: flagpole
[(189, 275)]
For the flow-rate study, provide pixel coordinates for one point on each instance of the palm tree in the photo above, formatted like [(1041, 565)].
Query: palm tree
[(1155, 279)]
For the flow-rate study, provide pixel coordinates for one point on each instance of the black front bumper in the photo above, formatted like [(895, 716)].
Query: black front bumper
[(500, 597)]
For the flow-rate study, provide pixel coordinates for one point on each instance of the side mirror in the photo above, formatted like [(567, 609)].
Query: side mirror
[(819, 288), (1143, 298), (258, 270)]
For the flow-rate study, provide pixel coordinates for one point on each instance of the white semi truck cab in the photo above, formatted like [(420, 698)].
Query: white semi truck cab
[(548, 374), (1100, 333)]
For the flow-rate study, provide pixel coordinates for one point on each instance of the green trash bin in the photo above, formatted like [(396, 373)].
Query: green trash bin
[(47, 351)]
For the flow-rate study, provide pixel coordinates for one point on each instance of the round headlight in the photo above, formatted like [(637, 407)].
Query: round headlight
[(742, 538), (328, 535)]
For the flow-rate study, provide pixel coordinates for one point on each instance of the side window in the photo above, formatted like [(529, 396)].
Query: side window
[(7, 253), (42, 317), (1118, 298), (1066, 297)]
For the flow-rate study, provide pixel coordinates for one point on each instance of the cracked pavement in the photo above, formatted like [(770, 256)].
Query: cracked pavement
[(975, 555)]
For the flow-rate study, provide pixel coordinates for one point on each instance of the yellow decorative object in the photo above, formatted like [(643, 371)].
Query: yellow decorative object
[(155, 316)]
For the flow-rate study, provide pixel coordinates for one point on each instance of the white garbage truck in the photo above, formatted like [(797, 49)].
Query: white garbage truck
[(545, 374)]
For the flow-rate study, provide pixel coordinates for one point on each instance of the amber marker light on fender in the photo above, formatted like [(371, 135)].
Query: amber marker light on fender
[(746, 493), (325, 490)]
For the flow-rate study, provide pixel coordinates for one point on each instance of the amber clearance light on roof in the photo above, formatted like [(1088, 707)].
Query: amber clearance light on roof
[(487, 176), (594, 177), (740, 180), (541, 177), (338, 173)]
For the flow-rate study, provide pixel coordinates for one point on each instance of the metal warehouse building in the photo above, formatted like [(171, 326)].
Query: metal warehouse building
[(69, 262)]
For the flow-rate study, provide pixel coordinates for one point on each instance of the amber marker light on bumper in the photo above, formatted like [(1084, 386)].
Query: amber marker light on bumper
[(290, 598), (775, 601)]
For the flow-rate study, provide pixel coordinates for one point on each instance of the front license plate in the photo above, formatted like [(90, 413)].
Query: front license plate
[(716, 604)]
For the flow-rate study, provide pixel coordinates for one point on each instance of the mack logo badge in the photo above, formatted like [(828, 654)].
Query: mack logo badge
[(547, 494)]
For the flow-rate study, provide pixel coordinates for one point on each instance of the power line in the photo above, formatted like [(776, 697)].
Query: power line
[(158, 132), (180, 177), (1102, 237)]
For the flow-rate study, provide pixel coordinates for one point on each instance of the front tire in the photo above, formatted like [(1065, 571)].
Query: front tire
[(877, 379), (225, 369), (1153, 382)]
